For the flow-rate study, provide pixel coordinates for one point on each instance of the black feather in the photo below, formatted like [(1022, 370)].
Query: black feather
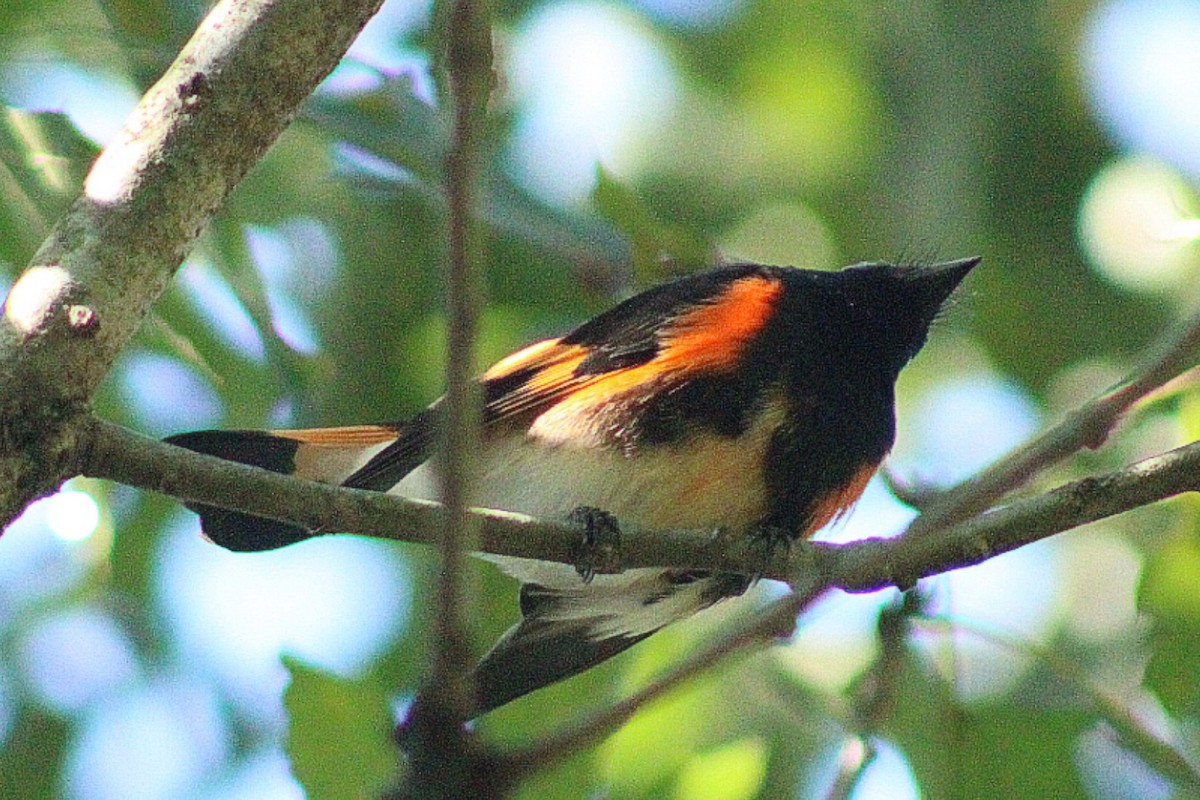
[(414, 445), (234, 530), (536, 652)]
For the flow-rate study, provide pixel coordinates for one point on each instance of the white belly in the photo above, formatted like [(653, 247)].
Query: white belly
[(710, 482)]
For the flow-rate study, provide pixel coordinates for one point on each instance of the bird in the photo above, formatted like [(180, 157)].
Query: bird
[(752, 399)]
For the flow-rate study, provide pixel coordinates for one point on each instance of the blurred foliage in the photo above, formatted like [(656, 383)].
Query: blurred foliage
[(45, 160), (884, 130), (333, 721)]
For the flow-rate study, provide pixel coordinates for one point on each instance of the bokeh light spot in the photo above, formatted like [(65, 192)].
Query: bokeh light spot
[(887, 777), (76, 657), (151, 743), (962, 425), (265, 775), (591, 81), (1138, 226), (335, 602), (1142, 65), (214, 299), (1017, 592), (72, 515), (166, 394), (97, 103)]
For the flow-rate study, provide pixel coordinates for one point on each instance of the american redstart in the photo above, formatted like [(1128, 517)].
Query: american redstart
[(754, 399)]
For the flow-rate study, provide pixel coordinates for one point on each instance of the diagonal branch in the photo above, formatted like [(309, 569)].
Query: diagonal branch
[(774, 621), (191, 139), (1088, 426), (810, 568)]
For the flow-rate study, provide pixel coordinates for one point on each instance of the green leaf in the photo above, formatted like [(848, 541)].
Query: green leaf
[(653, 746), (391, 123), (922, 723), (338, 737), (732, 771), (43, 161), (1169, 594), (1000, 750), (653, 243), (32, 756)]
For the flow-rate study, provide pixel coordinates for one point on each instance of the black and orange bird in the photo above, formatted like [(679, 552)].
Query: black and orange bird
[(754, 399)]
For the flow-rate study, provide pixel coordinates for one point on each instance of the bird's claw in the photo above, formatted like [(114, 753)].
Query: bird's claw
[(599, 548), (769, 541)]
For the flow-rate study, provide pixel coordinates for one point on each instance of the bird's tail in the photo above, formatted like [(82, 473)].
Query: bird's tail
[(329, 455), (570, 626)]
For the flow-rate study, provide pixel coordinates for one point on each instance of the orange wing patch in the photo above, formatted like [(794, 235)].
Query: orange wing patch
[(706, 339), (555, 366), (532, 356), (712, 336)]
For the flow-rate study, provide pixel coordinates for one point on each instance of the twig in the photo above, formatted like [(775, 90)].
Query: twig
[(444, 760), (857, 754), (469, 64), (1088, 426), (875, 695), (776, 620), (1159, 755), (903, 560), (858, 566)]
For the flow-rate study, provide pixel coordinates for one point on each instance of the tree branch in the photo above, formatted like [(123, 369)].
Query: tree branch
[(193, 136), (875, 563), (444, 760), (469, 66), (118, 454), (774, 621), (1088, 426)]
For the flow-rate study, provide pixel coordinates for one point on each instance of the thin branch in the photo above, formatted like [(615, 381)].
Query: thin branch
[(856, 757), (875, 563), (195, 134), (444, 760), (1088, 426), (469, 64), (774, 621), (869, 564), (874, 696), (813, 568)]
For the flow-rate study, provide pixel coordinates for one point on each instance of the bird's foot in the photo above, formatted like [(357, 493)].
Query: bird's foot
[(599, 548)]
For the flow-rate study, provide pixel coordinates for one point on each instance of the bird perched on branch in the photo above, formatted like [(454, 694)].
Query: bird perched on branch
[(754, 399)]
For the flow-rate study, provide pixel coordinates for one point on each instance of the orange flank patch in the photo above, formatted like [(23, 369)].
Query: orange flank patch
[(838, 502), (349, 436)]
